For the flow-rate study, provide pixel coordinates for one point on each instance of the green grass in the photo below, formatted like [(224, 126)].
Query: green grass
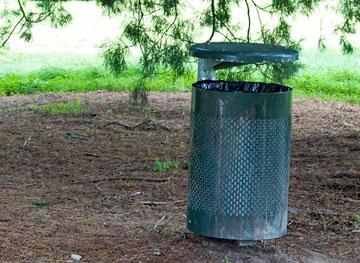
[(75, 108), (329, 85), (41, 203), (326, 75), (165, 165), (356, 218), (85, 80)]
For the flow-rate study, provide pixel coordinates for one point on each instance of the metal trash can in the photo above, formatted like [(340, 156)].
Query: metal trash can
[(239, 157)]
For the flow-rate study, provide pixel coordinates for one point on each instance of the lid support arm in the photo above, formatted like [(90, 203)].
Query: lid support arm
[(206, 69)]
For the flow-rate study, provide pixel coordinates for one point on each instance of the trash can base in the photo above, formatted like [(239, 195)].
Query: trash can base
[(237, 228)]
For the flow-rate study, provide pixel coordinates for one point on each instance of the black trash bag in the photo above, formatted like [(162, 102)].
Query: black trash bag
[(241, 86)]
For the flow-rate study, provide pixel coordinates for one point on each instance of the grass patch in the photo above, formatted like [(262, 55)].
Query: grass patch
[(164, 166), (330, 85), (75, 108), (339, 85), (41, 203), (326, 75), (356, 218), (86, 80)]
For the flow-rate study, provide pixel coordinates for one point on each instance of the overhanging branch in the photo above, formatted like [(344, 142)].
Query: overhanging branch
[(249, 21), (213, 14), (12, 32)]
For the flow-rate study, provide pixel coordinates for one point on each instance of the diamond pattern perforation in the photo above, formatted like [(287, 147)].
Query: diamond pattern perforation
[(239, 166)]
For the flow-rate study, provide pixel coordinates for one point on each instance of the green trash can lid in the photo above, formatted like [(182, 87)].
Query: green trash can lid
[(244, 53)]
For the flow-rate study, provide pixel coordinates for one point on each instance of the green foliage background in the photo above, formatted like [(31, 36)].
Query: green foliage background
[(327, 75), (163, 33)]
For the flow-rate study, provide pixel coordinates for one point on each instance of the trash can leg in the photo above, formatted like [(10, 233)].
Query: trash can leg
[(206, 69)]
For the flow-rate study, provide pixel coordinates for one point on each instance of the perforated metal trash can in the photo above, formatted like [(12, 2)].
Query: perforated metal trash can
[(239, 160)]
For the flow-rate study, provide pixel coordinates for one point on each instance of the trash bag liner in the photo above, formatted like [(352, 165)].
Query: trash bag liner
[(241, 86)]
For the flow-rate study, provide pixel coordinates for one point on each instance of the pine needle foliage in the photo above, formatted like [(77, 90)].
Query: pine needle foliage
[(163, 31)]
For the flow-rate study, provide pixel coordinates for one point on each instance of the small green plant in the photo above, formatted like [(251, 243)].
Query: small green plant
[(227, 260), (41, 203), (356, 218), (75, 108), (164, 166)]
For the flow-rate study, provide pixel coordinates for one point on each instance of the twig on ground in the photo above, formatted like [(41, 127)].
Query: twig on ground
[(98, 187), (92, 155), (125, 214), (27, 185), (351, 199), (166, 223), (139, 125), (134, 178), (162, 126), (158, 222), (77, 136), (161, 203), (127, 126)]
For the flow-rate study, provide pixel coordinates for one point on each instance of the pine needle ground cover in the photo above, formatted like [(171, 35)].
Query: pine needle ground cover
[(90, 185)]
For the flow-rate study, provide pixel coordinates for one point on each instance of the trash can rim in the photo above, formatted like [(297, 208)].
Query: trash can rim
[(197, 85)]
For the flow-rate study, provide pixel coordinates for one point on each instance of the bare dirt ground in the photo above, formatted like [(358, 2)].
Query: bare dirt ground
[(64, 159)]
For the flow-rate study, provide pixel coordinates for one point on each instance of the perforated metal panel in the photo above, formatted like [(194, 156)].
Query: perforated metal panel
[(239, 165), (238, 161)]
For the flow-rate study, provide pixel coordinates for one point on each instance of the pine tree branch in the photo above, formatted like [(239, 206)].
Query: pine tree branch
[(12, 32), (213, 20), (40, 19), (171, 25), (225, 36), (22, 10), (140, 17), (249, 21), (170, 35), (226, 26), (264, 9), (16, 25), (258, 13)]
